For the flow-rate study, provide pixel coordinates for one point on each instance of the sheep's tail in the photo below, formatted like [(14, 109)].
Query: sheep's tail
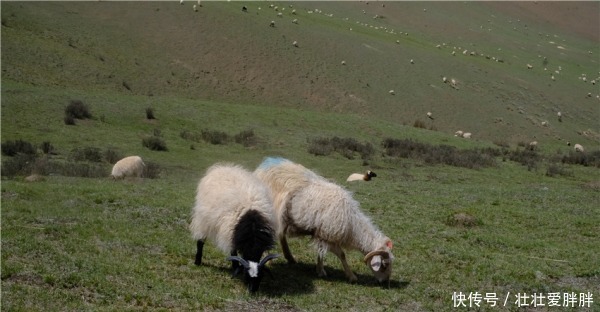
[(253, 235)]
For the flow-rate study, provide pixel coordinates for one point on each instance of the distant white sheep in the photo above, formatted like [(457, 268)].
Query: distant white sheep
[(559, 115), (467, 135), (458, 133), (392, 92), (430, 115), (295, 43), (362, 176), (131, 166), (533, 145), (307, 204), (233, 210), (578, 148), (272, 24)]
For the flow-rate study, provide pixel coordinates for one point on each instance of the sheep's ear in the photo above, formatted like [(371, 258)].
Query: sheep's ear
[(389, 244), (238, 259), (267, 258)]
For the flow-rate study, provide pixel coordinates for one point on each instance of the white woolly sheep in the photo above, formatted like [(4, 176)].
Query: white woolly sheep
[(131, 166), (559, 115), (392, 92), (295, 21), (233, 210), (466, 135), (295, 43), (195, 7), (430, 115), (578, 148), (307, 204), (272, 24), (458, 133), (362, 176)]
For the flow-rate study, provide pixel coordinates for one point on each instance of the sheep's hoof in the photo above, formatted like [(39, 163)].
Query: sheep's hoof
[(321, 273)]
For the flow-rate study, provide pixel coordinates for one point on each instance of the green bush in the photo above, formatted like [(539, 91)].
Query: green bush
[(12, 148), (247, 138), (77, 109), (215, 137), (92, 154), (155, 143), (150, 113)]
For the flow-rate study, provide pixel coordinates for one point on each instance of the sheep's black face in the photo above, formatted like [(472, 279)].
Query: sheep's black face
[(253, 276)]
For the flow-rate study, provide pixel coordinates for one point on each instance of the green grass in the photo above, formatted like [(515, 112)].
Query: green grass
[(77, 243), (71, 243)]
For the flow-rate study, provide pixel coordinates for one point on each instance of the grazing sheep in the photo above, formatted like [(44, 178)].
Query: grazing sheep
[(233, 209), (529, 66), (430, 115), (544, 123), (195, 8), (392, 92), (343, 62), (131, 166), (307, 204), (533, 145), (579, 148), (272, 24), (295, 21), (295, 43), (362, 176), (466, 135), (458, 133), (559, 115)]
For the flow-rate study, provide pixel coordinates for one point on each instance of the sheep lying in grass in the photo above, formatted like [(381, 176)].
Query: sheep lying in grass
[(578, 148), (307, 204), (362, 176), (131, 166), (234, 211)]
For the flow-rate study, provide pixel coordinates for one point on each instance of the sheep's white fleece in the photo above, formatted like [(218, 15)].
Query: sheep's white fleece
[(223, 195), (131, 166)]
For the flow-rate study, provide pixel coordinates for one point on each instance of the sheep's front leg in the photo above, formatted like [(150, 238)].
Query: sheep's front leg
[(199, 247), (322, 251), (337, 250), (286, 250), (235, 266)]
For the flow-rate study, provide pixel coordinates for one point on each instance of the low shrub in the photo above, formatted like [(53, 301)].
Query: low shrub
[(111, 155), (150, 113), (12, 148), (215, 137), (152, 170), (247, 138), (346, 147), (77, 109), (92, 154), (155, 143), (320, 147), (69, 120), (419, 124), (558, 170), (20, 164), (47, 147), (441, 154)]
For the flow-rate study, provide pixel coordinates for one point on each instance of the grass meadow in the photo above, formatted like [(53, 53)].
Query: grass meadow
[(73, 243), (469, 219)]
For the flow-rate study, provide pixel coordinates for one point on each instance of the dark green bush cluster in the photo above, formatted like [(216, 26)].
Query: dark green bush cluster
[(584, 159), (440, 154), (419, 124), (23, 164), (346, 147), (525, 157), (155, 143), (12, 148), (150, 113), (92, 154), (558, 170), (111, 155), (247, 137), (215, 137), (76, 110), (152, 170)]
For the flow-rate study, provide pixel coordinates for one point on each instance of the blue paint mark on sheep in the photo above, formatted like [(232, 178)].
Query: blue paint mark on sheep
[(272, 162)]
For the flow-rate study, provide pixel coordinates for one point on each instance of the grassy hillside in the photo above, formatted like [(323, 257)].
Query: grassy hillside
[(527, 223), (224, 54)]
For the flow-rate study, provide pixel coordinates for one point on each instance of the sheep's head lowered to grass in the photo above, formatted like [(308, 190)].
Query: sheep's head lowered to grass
[(253, 272), (380, 262)]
